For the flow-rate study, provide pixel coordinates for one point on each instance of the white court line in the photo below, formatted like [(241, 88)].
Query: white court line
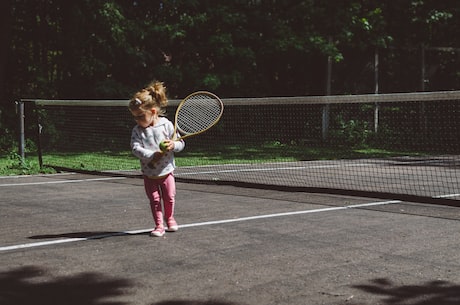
[(272, 169), (189, 174), (447, 196), (177, 174), (37, 175), (62, 181), (198, 224)]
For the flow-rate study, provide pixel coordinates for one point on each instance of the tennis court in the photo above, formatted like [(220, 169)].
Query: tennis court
[(83, 239)]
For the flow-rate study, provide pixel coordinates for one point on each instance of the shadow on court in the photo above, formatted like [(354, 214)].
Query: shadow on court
[(429, 293), (88, 235), (33, 285)]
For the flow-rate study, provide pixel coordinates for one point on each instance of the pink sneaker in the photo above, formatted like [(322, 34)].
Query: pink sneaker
[(172, 225), (158, 232)]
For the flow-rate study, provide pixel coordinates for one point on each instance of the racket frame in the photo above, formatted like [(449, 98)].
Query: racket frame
[(178, 130)]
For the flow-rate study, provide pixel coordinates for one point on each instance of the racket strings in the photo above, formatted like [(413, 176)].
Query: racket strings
[(198, 114)]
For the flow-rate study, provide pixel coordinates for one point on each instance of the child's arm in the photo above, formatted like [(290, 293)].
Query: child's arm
[(175, 146), (138, 149), (179, 146)]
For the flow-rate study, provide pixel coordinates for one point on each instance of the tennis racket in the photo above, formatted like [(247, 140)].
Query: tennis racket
[(197, 113)]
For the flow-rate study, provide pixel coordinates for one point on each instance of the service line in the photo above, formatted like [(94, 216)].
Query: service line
[(197, 224)]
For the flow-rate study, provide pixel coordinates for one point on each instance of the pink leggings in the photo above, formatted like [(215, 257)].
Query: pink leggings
[(157, 189)]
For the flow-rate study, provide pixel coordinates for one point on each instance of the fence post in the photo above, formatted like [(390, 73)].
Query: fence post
[(20, 111), (325, 121), (39, 137), (325, 110), (376, 89)]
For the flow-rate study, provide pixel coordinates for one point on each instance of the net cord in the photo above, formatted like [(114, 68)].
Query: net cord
[(335, 99)]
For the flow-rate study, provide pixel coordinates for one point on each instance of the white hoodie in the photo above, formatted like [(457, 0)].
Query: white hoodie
[(145, 142)]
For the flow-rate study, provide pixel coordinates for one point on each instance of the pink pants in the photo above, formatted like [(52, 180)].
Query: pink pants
[(157, 189)]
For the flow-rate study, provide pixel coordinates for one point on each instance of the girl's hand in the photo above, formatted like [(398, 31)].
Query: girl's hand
[(168, 145)]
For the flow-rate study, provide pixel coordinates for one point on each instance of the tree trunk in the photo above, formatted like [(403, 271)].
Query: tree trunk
[(5, 33)]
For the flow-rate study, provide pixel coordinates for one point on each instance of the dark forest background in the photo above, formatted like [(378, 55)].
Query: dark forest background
[(94, 49)]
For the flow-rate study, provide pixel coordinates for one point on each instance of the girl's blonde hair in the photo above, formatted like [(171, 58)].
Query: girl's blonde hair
[(152, 96)]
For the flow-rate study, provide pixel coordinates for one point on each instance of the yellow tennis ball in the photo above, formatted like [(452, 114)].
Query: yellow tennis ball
[(163, 146)]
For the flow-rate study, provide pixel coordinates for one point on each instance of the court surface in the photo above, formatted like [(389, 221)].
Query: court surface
[(83, 239)]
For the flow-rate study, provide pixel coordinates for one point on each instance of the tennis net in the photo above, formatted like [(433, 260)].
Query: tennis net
[(388, 145)]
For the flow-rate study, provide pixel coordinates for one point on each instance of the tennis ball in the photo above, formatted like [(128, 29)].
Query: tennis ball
[(163, 146)]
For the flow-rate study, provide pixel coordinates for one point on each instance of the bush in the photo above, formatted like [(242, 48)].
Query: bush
[(352, 132)]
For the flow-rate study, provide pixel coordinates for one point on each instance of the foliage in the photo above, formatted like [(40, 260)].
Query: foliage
[(97, 49), (7, 141), (354, 132), (13, 164), (108, 49)]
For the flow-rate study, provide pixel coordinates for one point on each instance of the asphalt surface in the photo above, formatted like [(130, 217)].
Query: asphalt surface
[(83, 239)]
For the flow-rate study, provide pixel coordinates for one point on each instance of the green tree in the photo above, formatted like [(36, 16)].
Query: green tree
[(110, 48)]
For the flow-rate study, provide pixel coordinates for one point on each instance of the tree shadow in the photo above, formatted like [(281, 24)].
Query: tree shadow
[(194, 302), (429, 293), (32, 285)]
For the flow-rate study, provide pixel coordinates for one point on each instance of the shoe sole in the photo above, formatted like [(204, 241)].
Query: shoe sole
[(157, 234)]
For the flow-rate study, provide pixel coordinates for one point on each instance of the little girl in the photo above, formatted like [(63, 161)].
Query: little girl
[(148, 108)]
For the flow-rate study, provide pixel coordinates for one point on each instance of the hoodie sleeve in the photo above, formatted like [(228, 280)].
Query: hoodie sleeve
[(179, 145), (137, 148)]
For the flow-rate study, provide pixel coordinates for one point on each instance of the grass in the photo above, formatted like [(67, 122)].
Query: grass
[(229, 154), (12, 164)]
